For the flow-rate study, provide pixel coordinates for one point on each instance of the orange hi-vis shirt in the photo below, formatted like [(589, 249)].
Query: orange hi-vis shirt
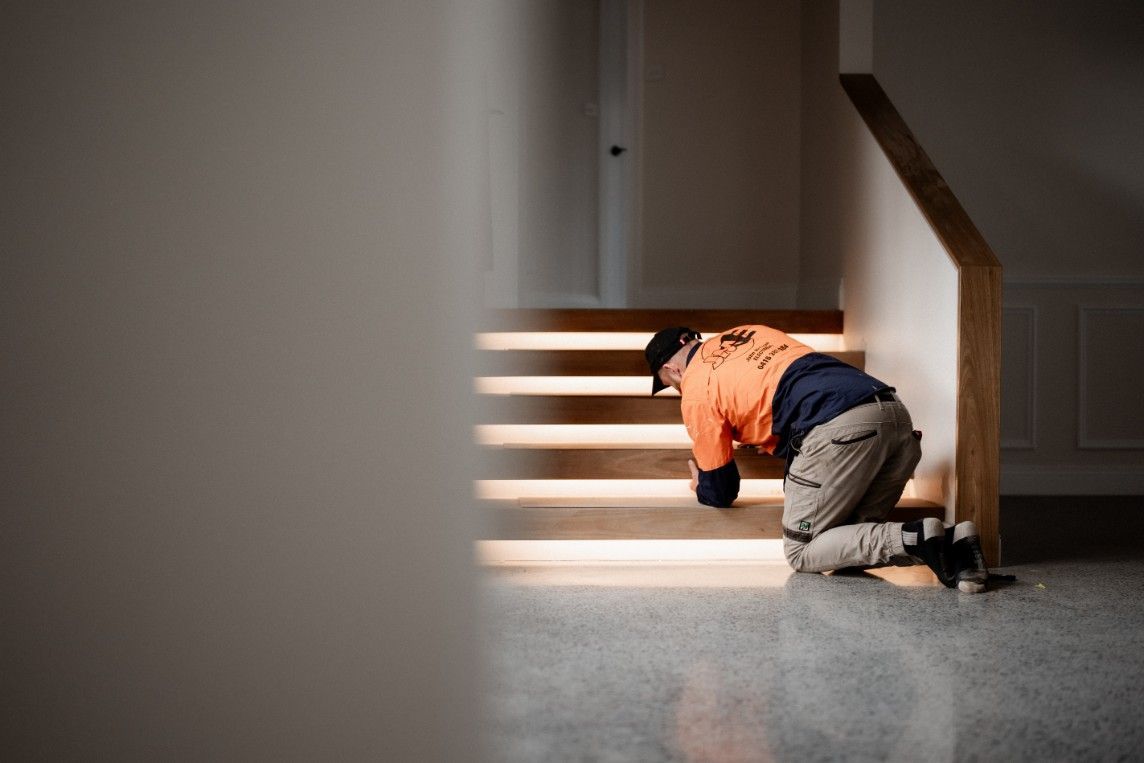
[(728, 389)]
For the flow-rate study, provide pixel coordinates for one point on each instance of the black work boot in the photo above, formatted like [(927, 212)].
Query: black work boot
[(925, 540), (969, 571)]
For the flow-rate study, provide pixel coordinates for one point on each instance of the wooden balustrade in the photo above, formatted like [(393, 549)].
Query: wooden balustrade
[(978, 454)]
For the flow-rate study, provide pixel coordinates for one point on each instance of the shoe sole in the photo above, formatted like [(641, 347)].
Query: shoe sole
[(970, 586)]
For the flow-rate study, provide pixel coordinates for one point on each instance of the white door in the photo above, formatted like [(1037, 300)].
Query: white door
[(559, 154)]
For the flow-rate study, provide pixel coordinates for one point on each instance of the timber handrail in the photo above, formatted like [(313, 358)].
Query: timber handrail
[(978, 452)]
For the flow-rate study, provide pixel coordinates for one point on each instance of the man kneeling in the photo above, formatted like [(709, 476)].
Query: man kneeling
[(848, 441)]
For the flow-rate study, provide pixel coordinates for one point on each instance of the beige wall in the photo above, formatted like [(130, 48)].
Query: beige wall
[(720, 155), (1036, 126), (716, 154), (234, 476)]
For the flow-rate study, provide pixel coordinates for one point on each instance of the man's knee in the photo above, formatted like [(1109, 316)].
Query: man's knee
[(795, 556)]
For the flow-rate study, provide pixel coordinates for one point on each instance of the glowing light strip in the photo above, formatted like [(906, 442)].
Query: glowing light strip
[(584, 435), (626, 492), (730, 563), (737, 550), (624, 386), (562, 340), (607, 340), (601, 490)]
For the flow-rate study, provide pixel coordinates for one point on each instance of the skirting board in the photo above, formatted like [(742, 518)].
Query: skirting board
[(1065, 480)]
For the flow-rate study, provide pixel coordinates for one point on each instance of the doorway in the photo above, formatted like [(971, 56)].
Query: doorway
[(561, 97)]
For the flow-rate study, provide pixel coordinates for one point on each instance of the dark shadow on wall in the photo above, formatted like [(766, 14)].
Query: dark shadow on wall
[(1038, 529)]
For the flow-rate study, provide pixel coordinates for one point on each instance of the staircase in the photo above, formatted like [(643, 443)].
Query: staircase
[(575, 447)]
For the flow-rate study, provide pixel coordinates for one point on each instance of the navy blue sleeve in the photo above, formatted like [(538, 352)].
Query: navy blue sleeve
[(719, 487)]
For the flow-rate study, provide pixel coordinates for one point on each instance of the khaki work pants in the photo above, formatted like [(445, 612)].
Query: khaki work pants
[(847, 476)]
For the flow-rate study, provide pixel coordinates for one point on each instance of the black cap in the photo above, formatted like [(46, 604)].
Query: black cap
[(662, 347)]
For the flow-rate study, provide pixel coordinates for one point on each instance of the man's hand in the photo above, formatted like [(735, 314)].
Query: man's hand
[(694, 474)]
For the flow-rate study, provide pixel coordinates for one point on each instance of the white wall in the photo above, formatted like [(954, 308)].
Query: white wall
[(860, 225), (234, 475), (720, 155), (900, 298), (1032, 112)]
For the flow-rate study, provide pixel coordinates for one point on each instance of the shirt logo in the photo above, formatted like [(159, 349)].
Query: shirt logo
[(729, 345)]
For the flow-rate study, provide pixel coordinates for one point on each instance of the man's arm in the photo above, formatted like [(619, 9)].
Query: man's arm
[(718, 487), (714, 475)]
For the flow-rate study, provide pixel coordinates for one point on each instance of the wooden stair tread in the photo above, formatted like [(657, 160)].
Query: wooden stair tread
[(608, 319), (588, 362), (661, 518)]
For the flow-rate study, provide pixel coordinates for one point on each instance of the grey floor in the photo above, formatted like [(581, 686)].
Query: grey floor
[(754, 663)]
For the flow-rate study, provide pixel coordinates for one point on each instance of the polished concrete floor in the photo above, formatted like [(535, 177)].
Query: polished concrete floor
[(646, 662)]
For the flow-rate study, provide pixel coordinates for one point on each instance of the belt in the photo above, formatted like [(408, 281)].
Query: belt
[(885, 396)]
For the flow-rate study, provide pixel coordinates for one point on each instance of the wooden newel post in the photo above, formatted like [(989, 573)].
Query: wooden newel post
[(978, 469)]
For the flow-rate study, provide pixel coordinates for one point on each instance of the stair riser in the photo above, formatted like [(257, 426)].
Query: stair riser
[(586, 362), (544, 464), (542, 409)]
